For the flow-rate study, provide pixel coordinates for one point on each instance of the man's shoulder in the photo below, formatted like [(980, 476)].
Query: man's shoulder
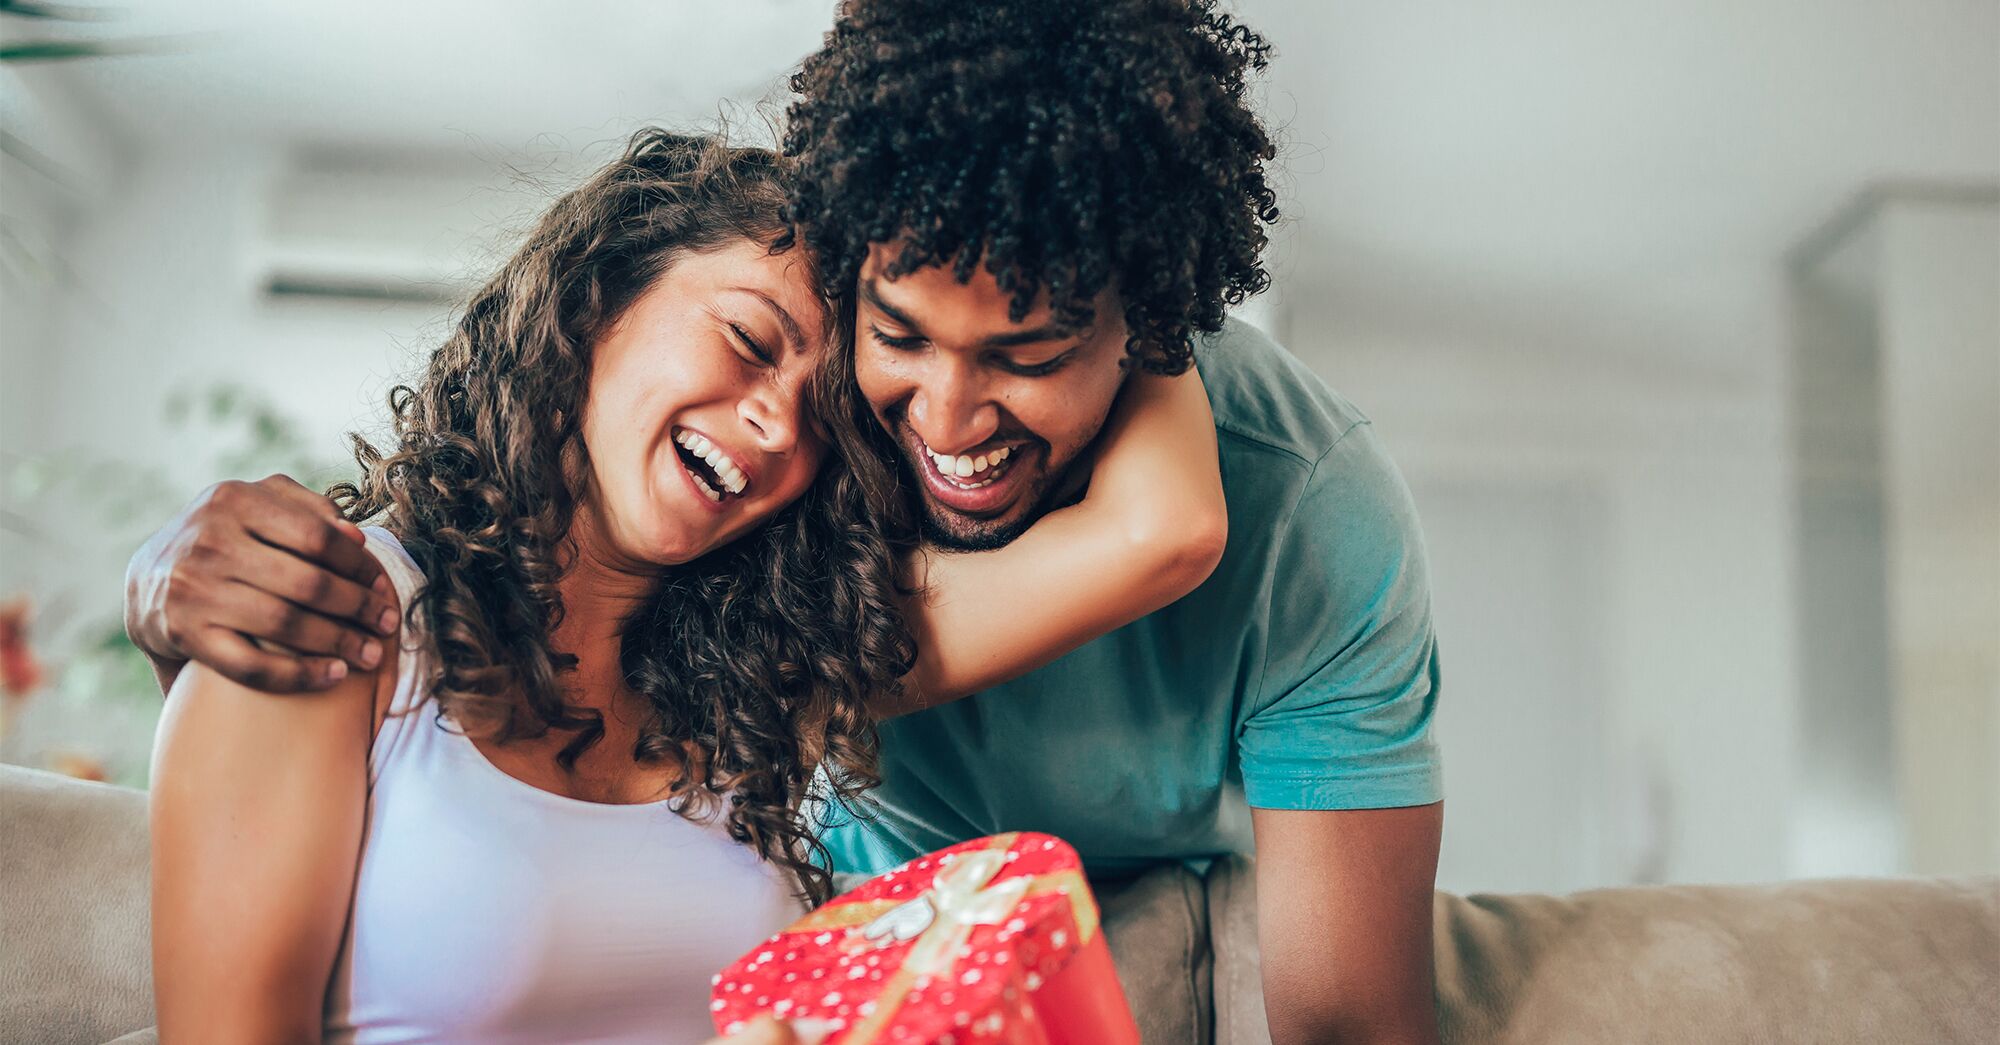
[(1263, 395), (1301, 463)]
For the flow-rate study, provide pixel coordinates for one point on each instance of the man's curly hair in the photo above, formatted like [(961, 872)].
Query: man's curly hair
[(758, 659), (1065, 145)]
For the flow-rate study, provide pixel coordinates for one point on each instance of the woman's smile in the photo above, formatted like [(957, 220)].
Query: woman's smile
[(712, 471)]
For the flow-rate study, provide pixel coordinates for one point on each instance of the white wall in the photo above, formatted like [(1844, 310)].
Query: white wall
[(1940, 342), (44, 200), (1848, 822), (1671, 484), (161, 291), (1898, 389), (170, 300)]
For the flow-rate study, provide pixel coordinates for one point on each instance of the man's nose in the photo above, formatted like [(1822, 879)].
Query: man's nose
[(951, 411)]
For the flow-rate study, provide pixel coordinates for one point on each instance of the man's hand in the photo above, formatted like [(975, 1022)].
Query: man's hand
[(251, 564)]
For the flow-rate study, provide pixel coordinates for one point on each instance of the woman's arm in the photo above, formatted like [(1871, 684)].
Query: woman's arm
[(1150, 530), (257, 806)]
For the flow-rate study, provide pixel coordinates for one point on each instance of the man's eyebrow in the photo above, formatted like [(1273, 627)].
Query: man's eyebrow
[(1010, 339), (1039, 335), (793, 335), (896, 315)]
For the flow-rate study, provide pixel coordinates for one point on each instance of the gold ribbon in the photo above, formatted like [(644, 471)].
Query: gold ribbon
[(961, 897), (941, 917)]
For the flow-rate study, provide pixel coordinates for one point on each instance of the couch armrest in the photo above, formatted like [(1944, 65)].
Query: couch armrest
[(76, 966)]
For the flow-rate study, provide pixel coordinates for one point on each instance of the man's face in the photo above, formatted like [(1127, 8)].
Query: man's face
[(989, 414)]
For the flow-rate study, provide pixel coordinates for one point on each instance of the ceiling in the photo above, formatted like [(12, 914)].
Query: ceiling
[(500, 74), (1490, 162)]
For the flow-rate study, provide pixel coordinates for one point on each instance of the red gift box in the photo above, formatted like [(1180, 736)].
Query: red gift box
[(990, 942)]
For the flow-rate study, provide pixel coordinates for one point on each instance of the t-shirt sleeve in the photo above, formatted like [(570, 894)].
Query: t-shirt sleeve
[(1342, 715)]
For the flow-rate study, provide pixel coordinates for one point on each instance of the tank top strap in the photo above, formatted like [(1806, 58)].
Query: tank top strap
[(412, 717)]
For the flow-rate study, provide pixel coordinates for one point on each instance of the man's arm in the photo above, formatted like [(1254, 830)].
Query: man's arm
[(1344, 923), (248, 564), (1339, 766)]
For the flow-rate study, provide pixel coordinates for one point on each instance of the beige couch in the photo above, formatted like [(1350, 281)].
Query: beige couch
[(1913, 961)]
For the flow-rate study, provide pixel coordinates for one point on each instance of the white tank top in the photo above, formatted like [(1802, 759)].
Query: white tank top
[(489, 910)]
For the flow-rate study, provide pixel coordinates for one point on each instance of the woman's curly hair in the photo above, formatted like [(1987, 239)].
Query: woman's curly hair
[(757, 659), (1068, 146)]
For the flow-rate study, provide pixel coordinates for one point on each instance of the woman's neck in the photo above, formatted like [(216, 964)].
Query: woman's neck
[(598, 598)]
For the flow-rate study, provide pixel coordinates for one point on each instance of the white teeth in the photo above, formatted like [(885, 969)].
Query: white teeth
[(706, 489), (953, 466), (726, 470)]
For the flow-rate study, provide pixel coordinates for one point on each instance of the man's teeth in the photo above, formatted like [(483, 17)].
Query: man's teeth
[(964, 467), (733, 479)]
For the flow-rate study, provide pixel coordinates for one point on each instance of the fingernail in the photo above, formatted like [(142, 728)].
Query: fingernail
[(382, 583), (387, 622), (371, 654), (336, 671)]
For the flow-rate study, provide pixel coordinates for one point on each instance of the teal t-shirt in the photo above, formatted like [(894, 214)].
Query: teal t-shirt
[(1301, 675)]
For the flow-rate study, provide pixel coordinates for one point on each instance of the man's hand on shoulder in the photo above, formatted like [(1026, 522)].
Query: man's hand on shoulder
[(263, 582)]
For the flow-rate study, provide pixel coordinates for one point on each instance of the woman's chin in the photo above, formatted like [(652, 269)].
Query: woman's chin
[(668, 537), (675, 551), (659, 542)]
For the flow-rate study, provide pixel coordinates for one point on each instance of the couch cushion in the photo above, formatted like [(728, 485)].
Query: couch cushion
[(1831, 961), (1900, 960), (1156, 927), (76, 967)]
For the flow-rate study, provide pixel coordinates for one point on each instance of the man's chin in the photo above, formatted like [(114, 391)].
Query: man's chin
[(961, 533)]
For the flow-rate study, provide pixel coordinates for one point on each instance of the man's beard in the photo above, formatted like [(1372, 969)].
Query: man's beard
[(937, 529)]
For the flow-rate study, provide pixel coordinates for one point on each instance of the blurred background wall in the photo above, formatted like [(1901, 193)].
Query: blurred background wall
[(1683, 321)]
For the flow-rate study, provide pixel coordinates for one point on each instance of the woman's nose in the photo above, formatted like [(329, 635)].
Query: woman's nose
[(774, 416)]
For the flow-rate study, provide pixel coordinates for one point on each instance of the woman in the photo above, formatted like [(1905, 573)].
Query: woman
[(650, 601)]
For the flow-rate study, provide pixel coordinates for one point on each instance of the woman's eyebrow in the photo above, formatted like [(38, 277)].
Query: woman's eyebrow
[(794, 336)]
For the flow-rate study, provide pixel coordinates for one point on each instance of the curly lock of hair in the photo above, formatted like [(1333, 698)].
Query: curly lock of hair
[(758, 659), (1067, 146)]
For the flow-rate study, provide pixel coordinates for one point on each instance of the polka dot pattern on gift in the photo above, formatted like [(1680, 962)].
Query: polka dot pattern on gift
[(824, 968)]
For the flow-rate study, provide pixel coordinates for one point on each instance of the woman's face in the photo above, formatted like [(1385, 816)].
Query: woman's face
[(695, 421)]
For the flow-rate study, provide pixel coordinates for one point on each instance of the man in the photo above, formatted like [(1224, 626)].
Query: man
[(1017, 202)]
